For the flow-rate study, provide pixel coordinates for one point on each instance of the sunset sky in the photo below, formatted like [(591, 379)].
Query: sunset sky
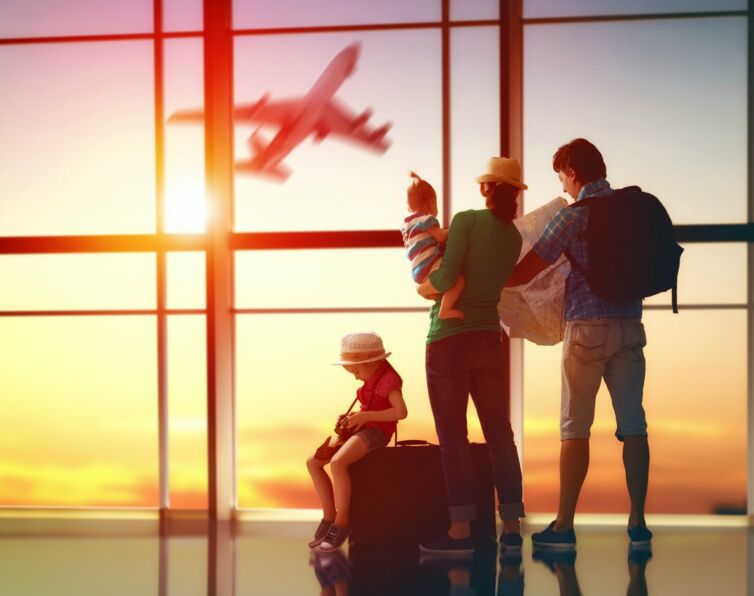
[(665, 101)]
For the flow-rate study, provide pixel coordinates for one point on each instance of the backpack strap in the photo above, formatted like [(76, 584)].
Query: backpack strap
[(675, 297)]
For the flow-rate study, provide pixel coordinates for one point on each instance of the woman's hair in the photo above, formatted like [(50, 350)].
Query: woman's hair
[(503, 202), (420, 193), (583, 158)]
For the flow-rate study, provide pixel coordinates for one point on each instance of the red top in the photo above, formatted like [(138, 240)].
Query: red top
[(373, 396)]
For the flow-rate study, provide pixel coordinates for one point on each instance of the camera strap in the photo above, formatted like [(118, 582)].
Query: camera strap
[(353, 403)]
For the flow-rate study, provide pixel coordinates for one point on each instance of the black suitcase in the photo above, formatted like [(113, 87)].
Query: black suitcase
[(398, 495)]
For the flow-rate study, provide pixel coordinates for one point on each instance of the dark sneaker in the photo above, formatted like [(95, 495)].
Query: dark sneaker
[(639, 536), (511, 541), (320, 534), (555, 558), (335, 538), (549, 538), (449, 547)]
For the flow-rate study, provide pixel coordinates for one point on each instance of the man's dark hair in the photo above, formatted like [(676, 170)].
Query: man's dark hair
[(503, 202), (583, 158)]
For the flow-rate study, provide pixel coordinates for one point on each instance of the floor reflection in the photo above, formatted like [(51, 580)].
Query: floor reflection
[(273, 558)]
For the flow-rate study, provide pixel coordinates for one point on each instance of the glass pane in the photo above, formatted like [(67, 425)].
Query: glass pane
[(325, 278), (182, 15), (568, 8), (475, 110), (187, 403), (660, 114), (695, 400), (709, 274), (288, 395), (338, 184), (186, 275), (78, 282), (185, 199), (77, 149), (84, 433), (469, 10), (248, 14), (65, 565), (37, 18)]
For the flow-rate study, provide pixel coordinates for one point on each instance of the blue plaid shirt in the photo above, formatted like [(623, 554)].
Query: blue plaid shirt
[(564, 233)]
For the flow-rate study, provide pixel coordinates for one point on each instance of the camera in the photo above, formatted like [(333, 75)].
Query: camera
[(341, 428)]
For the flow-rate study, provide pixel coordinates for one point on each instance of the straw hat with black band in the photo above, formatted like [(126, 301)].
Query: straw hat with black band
[(360, 348), (503, 170)]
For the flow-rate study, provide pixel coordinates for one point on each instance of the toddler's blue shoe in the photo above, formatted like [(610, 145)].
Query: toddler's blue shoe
[(550, 538), (639, 536)]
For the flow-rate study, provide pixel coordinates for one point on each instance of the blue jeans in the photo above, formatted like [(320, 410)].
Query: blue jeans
[(473, 363)]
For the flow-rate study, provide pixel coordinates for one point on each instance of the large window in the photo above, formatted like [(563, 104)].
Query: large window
[(109, 242)]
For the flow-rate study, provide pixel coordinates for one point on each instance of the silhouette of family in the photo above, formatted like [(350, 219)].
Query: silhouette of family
[(463, 270)]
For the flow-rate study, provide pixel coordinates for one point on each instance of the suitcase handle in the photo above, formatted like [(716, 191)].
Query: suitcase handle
[(411, 442)]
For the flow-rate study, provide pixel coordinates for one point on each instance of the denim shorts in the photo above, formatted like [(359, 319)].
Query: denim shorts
[(373, 437), (596, 349)]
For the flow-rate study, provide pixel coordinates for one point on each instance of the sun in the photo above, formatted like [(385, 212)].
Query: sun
[(186, 208)]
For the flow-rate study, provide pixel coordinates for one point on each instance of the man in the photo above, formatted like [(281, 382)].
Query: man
[(602, 340)]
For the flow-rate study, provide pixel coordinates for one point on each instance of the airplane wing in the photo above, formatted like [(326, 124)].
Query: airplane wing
[(259, 112), (339, 120)]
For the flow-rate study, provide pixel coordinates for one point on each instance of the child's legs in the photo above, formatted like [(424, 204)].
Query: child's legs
[(449, 299), (322, 486), (353, 450)]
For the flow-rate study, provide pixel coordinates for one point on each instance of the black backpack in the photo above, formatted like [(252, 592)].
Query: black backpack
[(631, 245)]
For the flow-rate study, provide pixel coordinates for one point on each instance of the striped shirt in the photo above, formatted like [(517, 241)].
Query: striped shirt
[(563, 233), (423, 249)]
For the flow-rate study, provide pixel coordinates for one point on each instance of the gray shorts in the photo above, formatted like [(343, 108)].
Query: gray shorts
[(596, 349), (373, 437)]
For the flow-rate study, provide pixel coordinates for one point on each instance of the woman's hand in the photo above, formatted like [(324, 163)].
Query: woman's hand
[(358, 419)]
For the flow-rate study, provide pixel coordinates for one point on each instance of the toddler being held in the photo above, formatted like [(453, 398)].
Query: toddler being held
[(424, 238)]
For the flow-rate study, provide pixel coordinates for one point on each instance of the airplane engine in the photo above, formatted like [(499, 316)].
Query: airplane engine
[(320, 134), (362, 119), (380, 133), (262, 101)]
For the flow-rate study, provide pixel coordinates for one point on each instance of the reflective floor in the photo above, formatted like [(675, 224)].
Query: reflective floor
[(273, 558)]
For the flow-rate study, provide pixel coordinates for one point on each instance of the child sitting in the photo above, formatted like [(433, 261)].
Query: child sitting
[(382, 405), (423, 238)]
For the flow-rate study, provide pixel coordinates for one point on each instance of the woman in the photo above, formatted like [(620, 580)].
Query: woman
[(467, 356)]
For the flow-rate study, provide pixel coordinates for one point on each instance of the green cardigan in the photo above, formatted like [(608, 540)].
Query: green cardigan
[(484, 250)]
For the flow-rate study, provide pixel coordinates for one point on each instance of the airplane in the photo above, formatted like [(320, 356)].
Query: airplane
[(317, 113)]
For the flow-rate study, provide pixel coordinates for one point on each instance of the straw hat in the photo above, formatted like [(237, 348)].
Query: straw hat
[(360, 348), (503, 170)]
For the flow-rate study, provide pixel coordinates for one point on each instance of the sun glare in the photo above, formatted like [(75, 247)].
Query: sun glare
[(186, 209)]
